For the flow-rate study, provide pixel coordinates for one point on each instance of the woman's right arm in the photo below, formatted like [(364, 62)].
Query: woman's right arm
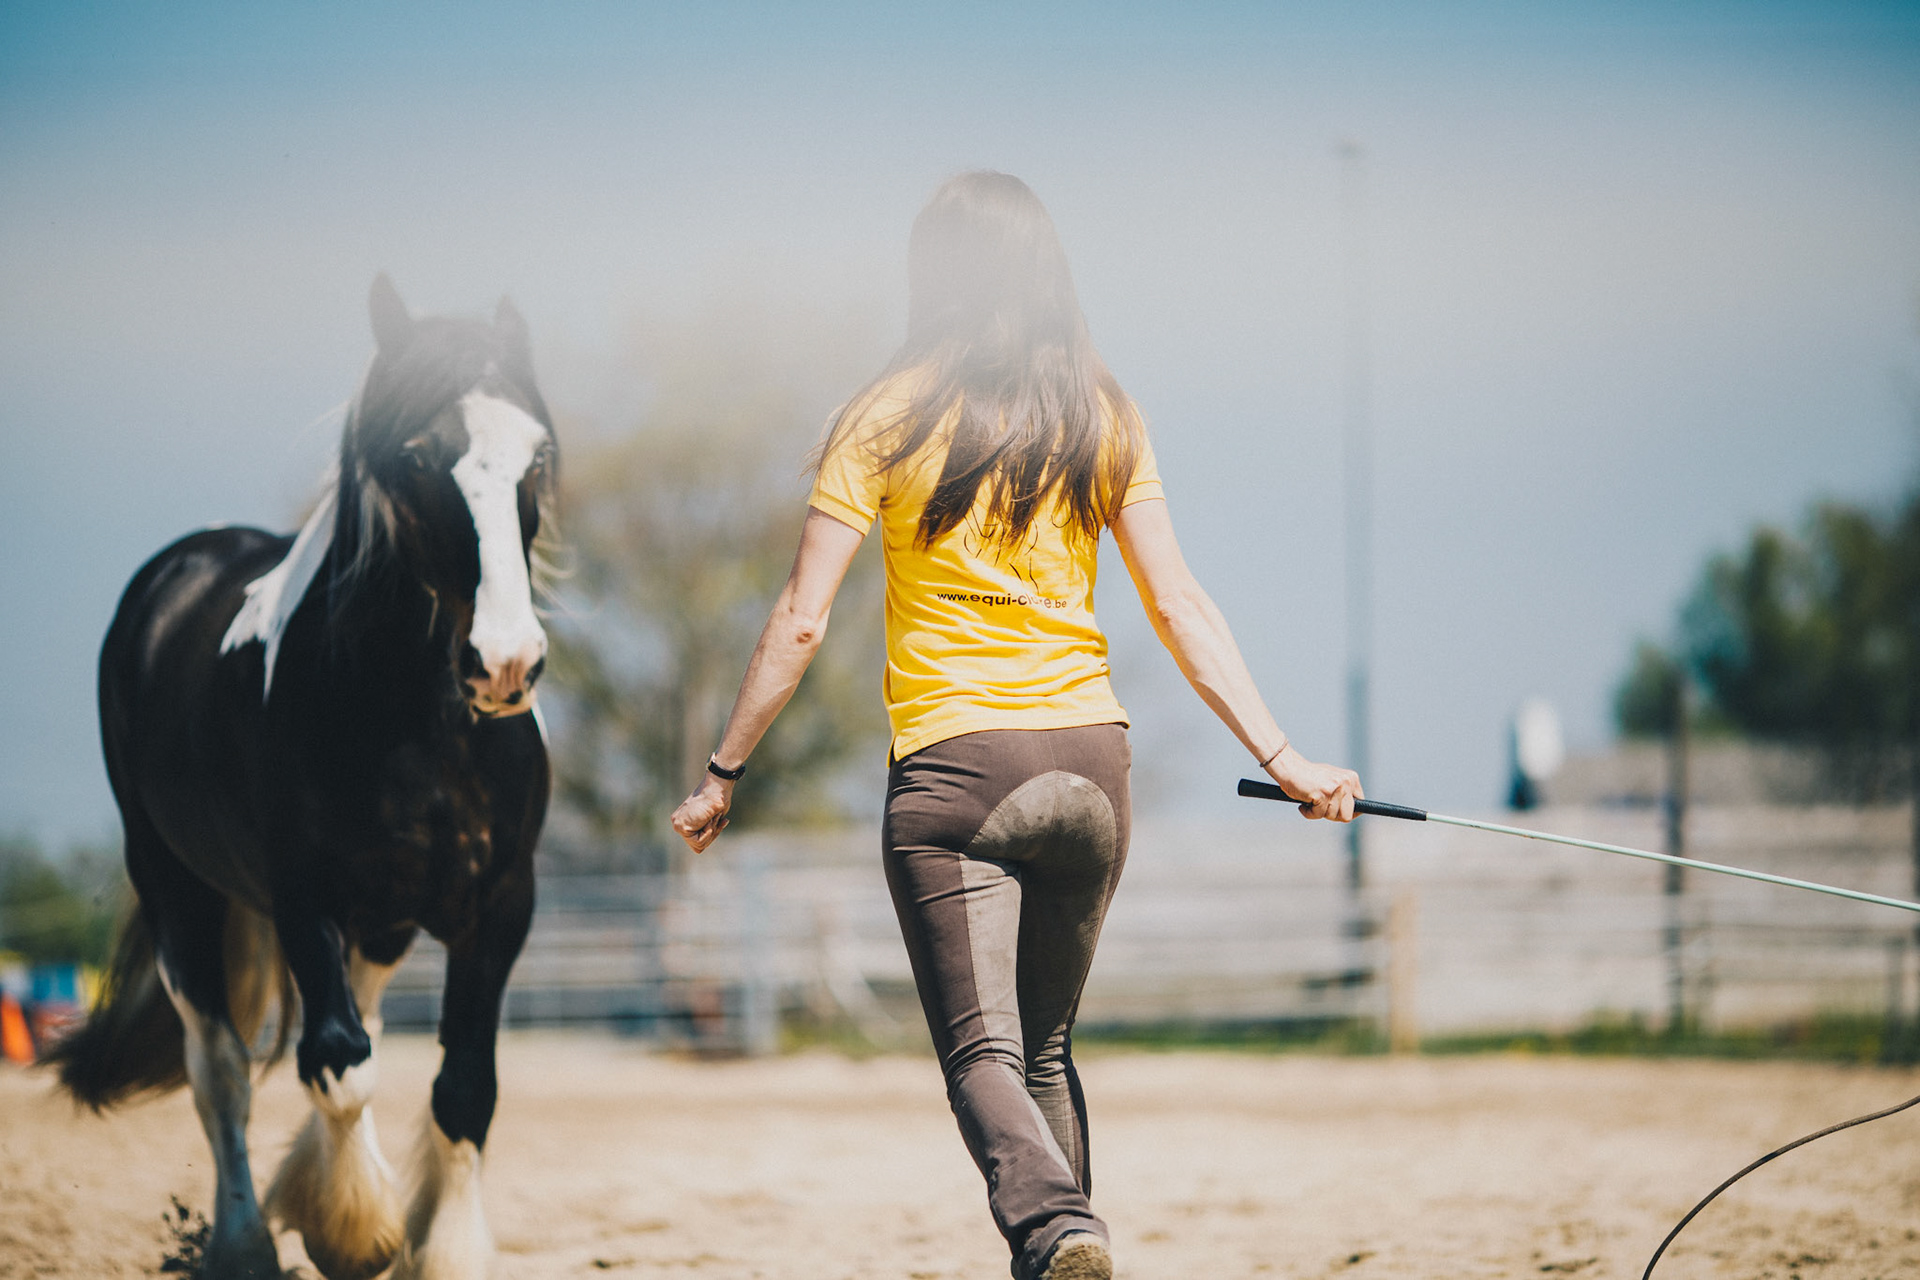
[(1195, 633), (787, 644)]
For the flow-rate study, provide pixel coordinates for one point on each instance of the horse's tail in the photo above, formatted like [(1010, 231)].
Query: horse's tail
[(131, 1042)]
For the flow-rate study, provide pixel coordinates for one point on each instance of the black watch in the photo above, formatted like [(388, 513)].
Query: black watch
[(730, 775)]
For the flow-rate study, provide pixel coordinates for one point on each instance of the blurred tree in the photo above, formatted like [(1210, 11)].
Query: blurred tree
[(51, 912), (1644, 703), (679, 533), (1814, 639)]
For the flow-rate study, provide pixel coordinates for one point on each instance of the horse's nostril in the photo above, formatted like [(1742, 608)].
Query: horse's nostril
[(470, 665), (515, 698), (533, 672)]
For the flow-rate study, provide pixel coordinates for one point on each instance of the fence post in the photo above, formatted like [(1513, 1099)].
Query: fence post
[(1403, 970), (1674, 805)]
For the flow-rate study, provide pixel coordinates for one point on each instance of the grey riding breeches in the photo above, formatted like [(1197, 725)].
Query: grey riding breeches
[(1002, 852)]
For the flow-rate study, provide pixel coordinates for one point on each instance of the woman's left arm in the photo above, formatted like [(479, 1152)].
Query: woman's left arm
[(787, 644)]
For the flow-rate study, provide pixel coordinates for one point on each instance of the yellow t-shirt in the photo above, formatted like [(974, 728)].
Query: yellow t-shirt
[(978, 636)]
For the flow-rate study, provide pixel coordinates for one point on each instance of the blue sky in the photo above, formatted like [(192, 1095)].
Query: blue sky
[(1641, 276)]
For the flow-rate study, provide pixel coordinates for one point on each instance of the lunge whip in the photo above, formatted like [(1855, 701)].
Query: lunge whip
[(1267, 791)]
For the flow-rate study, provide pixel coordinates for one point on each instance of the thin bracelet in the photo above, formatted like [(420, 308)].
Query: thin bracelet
[(1284, 744)]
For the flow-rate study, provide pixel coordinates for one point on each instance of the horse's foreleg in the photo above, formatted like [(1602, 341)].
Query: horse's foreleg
[(447, 1235), (334, 1187)]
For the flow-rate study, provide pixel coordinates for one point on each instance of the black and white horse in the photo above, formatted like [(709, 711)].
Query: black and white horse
[(318, 749)]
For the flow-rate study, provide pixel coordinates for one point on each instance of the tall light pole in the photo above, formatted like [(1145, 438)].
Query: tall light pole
[(1357, 441)]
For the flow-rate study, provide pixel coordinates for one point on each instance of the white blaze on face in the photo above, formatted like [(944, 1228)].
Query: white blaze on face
[(502, 441)]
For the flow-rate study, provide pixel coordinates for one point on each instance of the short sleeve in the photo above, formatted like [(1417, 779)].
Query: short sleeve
[(1146, 477), (849, 484)]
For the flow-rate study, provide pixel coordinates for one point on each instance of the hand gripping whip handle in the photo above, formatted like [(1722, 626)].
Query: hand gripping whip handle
[(1378, 808)]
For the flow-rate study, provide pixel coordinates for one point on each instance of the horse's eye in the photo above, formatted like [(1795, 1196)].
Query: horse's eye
[(416, 455)]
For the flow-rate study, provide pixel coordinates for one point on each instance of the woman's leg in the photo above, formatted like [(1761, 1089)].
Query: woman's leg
[(1067, 888), (1001, 857)]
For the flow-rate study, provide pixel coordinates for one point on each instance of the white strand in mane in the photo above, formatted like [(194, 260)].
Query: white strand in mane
[(274, 595)]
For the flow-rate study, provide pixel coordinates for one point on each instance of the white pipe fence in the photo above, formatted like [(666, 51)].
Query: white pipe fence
[(1249, 922)]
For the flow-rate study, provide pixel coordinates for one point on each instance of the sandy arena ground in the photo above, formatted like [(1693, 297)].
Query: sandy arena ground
[(607, 1160)]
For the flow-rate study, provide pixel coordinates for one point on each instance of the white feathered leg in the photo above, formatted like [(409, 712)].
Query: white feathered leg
[(447, 1235), (334, 1187)]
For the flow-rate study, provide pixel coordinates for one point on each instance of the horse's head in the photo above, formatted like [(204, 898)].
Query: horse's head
[(447, 467)]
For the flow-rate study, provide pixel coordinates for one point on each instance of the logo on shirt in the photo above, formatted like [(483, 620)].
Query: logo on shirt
[(989, 597)]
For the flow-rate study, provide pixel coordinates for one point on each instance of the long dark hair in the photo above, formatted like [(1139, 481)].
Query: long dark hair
[(997, 342)]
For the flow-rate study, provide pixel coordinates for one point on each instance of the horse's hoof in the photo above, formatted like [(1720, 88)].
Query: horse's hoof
[(335, 1190), (251, 1257), (339, 1264)]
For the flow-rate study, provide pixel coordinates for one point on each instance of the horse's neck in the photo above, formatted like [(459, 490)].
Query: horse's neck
[(384, 631)]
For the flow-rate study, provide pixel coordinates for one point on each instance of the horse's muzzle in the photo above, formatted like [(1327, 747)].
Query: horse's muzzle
[(503, 687)]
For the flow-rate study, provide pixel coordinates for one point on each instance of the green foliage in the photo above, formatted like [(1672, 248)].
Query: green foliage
[(680, 529), (1815, 637), (1811, 638), (52, 912), (1330, 1035), (1648, 698), (1828, 1037)]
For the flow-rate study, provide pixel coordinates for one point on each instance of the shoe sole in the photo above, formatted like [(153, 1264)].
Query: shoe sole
[(1082, 1260)]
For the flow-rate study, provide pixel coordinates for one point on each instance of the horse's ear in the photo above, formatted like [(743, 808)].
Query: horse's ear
[(512, 329), (392, 322)]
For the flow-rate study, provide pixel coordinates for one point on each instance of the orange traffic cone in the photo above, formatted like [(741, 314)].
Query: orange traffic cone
[(16, 1043)]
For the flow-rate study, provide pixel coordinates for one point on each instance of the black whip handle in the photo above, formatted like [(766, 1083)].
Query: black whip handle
[(1376, 808)]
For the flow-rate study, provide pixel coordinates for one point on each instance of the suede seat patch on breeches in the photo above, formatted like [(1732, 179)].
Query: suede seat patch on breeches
[(1055, 809)]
